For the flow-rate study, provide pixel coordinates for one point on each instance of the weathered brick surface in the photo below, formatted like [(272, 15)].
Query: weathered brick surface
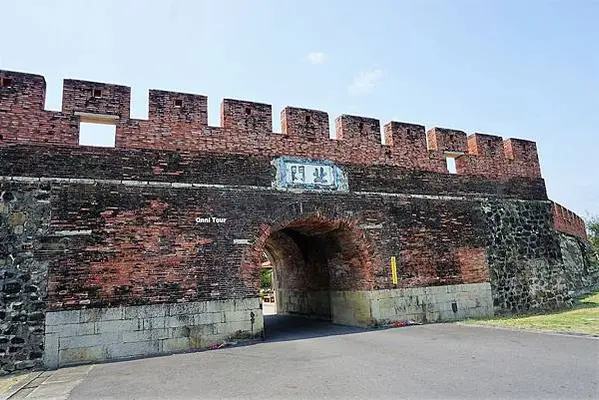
[(449, 140), (171, 107), (435, 245), (130, 244), (309, 124), (494, 158), (566, 221), (22, 119), (186, 166), (178, 121), (95, 98)]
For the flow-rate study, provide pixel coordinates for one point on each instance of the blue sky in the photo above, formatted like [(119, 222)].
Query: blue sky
[(526, 69)]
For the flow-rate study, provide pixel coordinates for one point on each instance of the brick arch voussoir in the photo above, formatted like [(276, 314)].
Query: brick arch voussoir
[(298, 212)]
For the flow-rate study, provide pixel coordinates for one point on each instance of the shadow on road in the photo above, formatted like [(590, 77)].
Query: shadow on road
[(280, 328)]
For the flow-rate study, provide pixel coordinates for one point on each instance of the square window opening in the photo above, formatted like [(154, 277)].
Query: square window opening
[(307, 119), (361, 126), (6, 82), (97, 93), (178, 103), (248, 111), (451, 167), (97, 135)]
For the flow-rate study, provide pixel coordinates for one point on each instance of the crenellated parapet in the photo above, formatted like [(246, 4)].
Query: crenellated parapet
[(566, 221), (179, 122)]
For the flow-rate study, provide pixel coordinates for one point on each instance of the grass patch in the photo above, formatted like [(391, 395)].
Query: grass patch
[(583, 317)]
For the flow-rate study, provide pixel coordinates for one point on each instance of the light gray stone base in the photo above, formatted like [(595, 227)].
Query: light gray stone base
[(382, 307), (419, 304), (91, 335), (432, 303), (352, 308), (312, 304)]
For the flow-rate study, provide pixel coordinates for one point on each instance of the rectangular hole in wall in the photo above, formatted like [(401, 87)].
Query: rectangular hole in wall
[(450, 164), (99, 135)]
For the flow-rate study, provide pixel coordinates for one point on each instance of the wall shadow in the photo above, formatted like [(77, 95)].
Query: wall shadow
[(281, 328)]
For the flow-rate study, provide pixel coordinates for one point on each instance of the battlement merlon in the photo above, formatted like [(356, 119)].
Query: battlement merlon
[(303, 122), (95, 98), (486, 145), (21, 90), (166, 106), (246, 116), (180, 121), (355, 128), (447, 140)]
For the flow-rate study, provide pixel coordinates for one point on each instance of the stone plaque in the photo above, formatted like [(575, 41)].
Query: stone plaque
[(296, 173)]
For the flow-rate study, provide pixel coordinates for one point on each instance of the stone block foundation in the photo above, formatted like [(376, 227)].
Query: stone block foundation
[(92, 335), (315, 304), (102, 334), (432, 303), (419, 304), (383, 307)]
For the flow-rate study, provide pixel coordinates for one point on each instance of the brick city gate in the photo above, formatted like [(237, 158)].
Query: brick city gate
[(153, 246)]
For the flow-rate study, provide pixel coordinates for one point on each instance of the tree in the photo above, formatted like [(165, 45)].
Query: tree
[(592, 225), (266, 278)]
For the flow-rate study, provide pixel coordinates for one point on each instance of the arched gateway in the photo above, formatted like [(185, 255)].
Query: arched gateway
[(322, 263), (154, 246)]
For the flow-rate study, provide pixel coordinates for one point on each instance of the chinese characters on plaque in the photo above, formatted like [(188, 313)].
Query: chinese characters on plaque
[(306, 174), (310, 174)]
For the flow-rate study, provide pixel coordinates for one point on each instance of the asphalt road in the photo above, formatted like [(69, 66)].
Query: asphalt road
[(310, 360)]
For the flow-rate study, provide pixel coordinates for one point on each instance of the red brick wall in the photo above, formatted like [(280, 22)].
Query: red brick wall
[(22, 115), (143, 244), (178, 121), (95, 98), (301, 122), (566, 221)]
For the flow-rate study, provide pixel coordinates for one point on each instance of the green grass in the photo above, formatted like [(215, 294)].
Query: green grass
[(583, 318)]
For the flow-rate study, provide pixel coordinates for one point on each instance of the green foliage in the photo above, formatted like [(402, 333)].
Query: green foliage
[(266, 278), (593, 232)]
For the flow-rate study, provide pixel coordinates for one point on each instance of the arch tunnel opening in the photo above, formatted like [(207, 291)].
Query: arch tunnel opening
[(314, 263)]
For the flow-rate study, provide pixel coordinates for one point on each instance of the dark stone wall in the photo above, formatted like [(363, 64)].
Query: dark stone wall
[(532, 267), (582, 273), (24, 221)]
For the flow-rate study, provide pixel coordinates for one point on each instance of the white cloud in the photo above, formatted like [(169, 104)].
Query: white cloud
[(365, 81), (317, 57)]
